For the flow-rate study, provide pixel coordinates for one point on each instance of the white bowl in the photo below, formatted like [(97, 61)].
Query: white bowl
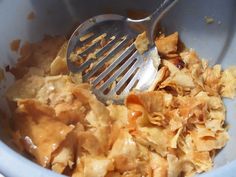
[(216, 42)]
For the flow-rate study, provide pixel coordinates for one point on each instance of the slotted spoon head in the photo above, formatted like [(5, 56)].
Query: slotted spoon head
[(103, 50)]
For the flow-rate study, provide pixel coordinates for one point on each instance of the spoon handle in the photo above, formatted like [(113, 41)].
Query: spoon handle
[(155, 17)]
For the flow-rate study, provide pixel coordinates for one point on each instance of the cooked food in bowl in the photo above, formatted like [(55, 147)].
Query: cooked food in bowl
[(174, 129)]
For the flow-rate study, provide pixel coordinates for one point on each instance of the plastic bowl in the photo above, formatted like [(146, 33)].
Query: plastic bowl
[(216, 42)]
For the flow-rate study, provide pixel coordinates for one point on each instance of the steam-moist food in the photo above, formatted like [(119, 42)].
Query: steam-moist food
[(173, 129)]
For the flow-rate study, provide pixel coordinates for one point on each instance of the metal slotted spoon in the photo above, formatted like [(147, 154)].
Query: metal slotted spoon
[(102, 49)]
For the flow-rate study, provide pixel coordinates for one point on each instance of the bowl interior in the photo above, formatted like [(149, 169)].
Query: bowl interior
[(215, 42)]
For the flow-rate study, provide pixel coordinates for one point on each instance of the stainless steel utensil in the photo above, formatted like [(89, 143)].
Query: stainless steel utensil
[(102, 49)]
